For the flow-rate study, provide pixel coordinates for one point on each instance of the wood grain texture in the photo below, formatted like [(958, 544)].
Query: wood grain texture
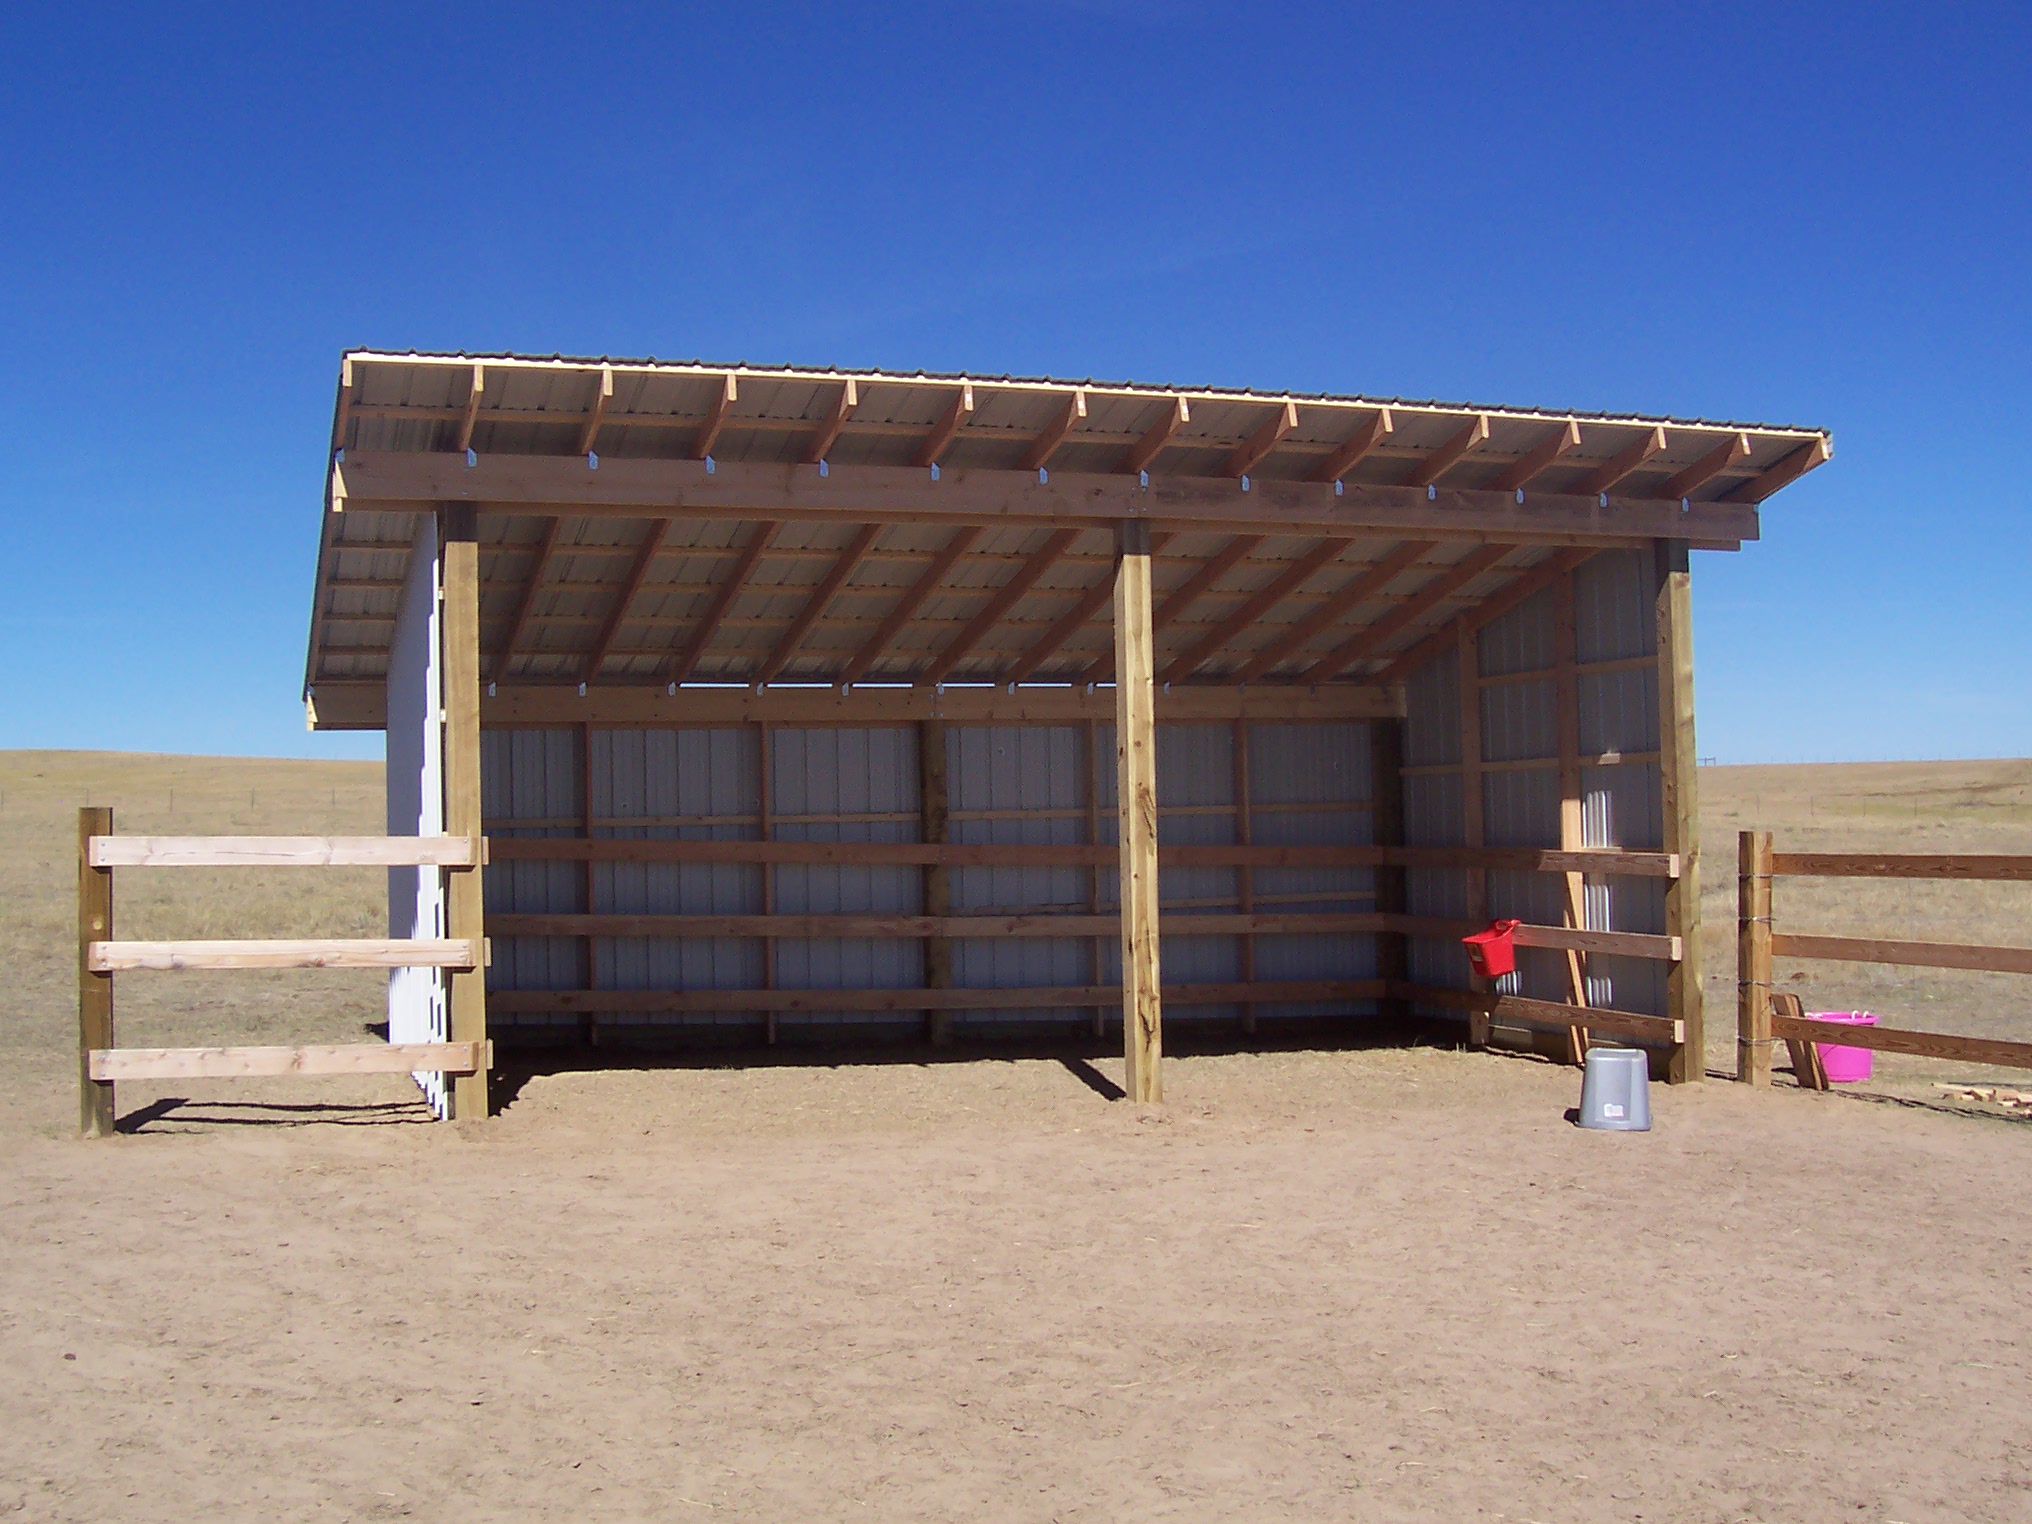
[(1136, 832), (1976, 1050), (1753, 957), (532, 1002), (1952, 865), (283, 851), (1992, 960), (1491, 1006), (241, 1063), (464, 895), (1679, 801), (184, 956), (96, 1109)]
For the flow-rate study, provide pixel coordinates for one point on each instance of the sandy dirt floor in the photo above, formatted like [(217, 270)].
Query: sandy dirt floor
[(1363, 1284)]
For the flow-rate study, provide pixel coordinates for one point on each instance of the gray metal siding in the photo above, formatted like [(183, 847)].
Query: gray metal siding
[(532, 776)]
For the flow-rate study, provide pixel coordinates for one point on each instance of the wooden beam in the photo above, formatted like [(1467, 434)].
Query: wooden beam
[(687, 655), (1046, 444), (242, 1063), (1074, 619), (465, 898), (1563, 438), (1605, 476), (1158, 436), (1136, 831), (716, 419), (545, 548), (1004, 598), (1572, 812), (603, 393), (1679, 803), (342, 414), (1032, 998), (1265, 598), (1444, 585), (1244, 457), (1180, 598), (1488, 1006), (1358, 444), (397, 482), (1731, 451), (950, 423), (1990, 960), (2002, 868), (1753, 957), (926, 584), (1368, 584), (816, 605), (317, 952), (1967, 1050), (1788, 470), (471, 416), (1497, 604), (97, 1113), (282, 851), (1449, 455), (829, 430), (638, 570)]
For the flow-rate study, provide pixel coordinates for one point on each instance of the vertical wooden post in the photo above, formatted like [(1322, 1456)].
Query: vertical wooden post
[(96, 1111), (1680, 795), (935, 819), (1245, 885), (465, 898), (1572, 833), (764, 768), (1472, 830), (1136, 798), (1753, 957), (1097, 949), (1386, 824)]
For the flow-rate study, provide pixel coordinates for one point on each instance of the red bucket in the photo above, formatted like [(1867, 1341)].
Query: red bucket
[(1493, 952)]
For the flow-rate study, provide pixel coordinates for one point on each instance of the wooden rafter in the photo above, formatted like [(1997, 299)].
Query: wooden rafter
[(1494, 606), (1090, 603), (1364, 642), (1358, 444), (1041, 448), (686, 656), (1262, 601), (1791, 468), (638, 569), (1731, 451), (1245, 456), (471, 416), (603, 394), (926, 584), (1003, 600), (815, 606), (527, 602), (1561, 439), (950, 422), (1604, 477), (1448, 455), (716, 419), (343, 414), (828, 431), (1146, 449), (1364, 587), (1180, 598)]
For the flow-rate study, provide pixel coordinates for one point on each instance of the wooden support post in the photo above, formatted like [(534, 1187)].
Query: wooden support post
[(96, 1111), (465, 901), (1472, 830), (1680, 796), (1386, 795), (935, 816), (765, 766), (1136, 799), (1245, 887), (1097, 950), (1753, 957), (1572, 833), (589, 1022)]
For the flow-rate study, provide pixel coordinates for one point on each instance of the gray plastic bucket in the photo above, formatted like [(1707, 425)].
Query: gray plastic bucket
[(1615, 1091)]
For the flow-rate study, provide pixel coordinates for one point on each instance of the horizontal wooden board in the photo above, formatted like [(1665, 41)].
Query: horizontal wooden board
[(1974, 1050), (1631, 1024), (1957, 865), (284, 851), (524, 1002), (243, 1063), (334, 952), (1993, 960)]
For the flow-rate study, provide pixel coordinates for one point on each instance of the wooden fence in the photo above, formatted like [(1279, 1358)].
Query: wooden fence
[(100, 956), (1764, 1016)]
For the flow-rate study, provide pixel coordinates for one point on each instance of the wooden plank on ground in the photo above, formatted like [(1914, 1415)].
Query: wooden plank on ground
[(1974, 1050), (324, 952), (1991, 960), (529, 1002), (283, 851), (1953, 865), (238, 1063)]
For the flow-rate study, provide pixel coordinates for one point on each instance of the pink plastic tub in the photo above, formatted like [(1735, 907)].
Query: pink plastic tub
[(1844, 1065)]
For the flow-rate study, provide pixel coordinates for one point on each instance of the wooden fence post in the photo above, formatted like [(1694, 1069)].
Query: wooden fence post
[(1136, 797), (1753, 957), (464, 899), (96, 1111), (1679, 790)]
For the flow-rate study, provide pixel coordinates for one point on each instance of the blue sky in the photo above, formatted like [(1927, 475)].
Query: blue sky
[(1779, 213)]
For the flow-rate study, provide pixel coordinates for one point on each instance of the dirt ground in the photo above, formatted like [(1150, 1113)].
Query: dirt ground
[(1361, 1283)]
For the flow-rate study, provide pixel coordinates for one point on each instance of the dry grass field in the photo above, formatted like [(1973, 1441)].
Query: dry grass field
[(1359, 1283)]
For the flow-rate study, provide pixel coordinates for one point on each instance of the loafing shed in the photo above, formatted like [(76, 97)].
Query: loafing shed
[(808, 701)]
